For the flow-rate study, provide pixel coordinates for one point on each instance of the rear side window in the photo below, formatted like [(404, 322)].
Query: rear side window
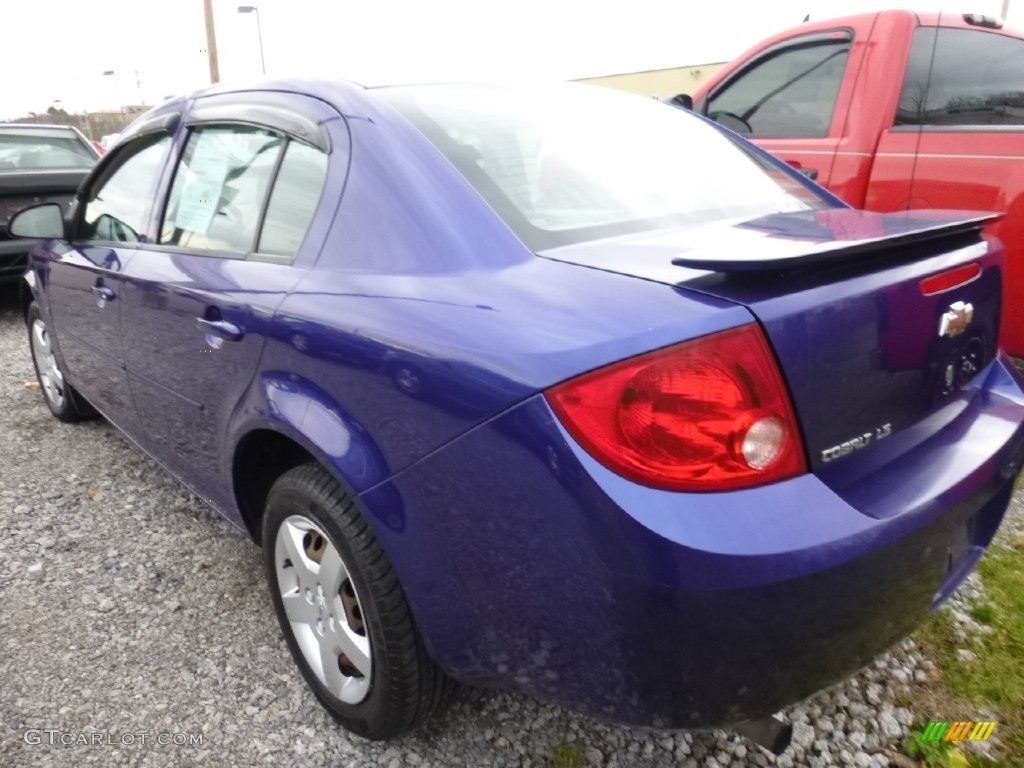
[(118, 204), (790, 91), (977, 79), (293, 200)]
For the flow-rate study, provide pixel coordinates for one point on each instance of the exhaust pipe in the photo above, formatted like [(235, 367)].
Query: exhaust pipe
[(769, 733)]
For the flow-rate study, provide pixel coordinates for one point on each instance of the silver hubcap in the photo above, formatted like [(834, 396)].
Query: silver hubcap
[(50, 377), (323, 609)]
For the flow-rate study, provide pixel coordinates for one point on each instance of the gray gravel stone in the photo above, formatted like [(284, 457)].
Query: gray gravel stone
[(129, 607), (889, 725), (803, 735)]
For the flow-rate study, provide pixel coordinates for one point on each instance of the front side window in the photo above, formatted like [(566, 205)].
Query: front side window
[(977, 79), (788, 92), (220, 188), (118, 204), (572, 163)]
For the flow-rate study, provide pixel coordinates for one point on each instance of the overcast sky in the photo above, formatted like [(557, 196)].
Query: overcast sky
[(58, 49)]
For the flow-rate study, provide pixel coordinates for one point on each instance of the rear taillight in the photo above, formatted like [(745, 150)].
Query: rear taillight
[(950, 279), (710, 414)]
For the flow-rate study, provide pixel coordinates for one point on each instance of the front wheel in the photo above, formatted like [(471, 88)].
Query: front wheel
[(61, 398), (342, 610)]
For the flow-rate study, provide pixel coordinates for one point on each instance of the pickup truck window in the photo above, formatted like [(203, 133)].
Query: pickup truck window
[(977, 79), (789, 91)]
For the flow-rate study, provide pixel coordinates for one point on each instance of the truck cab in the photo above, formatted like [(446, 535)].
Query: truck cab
[(893, 111)]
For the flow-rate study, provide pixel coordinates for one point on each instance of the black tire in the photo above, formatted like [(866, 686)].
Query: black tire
[(404, 685), (61, 398)]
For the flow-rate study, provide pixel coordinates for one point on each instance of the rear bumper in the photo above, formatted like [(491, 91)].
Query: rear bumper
[(529, 565)]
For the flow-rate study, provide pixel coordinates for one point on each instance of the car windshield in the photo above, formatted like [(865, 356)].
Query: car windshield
[(33, 149), (570, 163)]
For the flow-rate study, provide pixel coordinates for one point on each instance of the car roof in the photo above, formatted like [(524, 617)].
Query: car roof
[(36, 126), (348, 98)]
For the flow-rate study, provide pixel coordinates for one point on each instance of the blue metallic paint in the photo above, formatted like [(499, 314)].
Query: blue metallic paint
[(407, 355), (674, 609)]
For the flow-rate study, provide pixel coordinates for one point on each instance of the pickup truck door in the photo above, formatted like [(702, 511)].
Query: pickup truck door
[(968, 126), (791, 98)]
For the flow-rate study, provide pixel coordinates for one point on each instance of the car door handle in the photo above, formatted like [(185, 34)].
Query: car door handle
[(222, 328), (810, 173), (102, 293)]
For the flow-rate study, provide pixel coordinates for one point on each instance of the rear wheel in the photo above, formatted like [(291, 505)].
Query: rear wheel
[(62, 399), (343, 613)]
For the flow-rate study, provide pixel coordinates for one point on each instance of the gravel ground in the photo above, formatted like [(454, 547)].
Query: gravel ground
[(132, 612)]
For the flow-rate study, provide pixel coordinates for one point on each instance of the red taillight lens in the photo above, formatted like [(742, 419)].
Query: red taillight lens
[(710, 414), (953, 278)]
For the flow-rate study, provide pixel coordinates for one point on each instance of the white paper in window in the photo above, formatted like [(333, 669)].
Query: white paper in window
[(200, 197)]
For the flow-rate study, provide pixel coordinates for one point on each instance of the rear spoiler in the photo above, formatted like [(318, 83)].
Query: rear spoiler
[(832, 237)]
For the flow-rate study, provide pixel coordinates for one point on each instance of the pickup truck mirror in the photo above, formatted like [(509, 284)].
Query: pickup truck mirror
[(44, 220), (682, 100)]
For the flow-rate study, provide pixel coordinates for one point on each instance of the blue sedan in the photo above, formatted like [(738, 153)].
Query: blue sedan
[(552, 389)]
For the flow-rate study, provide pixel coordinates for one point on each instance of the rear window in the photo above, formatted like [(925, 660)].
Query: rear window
[(23, 149), (567, 164)]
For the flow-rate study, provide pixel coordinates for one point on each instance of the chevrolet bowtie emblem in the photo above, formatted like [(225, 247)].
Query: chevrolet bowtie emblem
[(955, 320)]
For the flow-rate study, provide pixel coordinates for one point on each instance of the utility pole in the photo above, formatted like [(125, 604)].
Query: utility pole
[(117, 93), (211, 42), (1006, 8)]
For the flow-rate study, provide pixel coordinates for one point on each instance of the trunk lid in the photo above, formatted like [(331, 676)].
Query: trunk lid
[(877, 320)]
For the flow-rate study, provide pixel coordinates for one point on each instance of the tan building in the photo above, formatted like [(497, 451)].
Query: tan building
[(662, 83)]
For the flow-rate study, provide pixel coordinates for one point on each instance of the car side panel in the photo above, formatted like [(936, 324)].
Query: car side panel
[(408, 363), (188, 383), (425, 315), (684, 610), (303, 412), (87, 326)]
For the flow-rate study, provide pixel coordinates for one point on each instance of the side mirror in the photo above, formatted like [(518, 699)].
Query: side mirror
[(45, 220), (682, 100)]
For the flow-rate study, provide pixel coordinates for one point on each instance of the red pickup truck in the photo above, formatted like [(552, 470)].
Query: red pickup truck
[(894, 110)]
